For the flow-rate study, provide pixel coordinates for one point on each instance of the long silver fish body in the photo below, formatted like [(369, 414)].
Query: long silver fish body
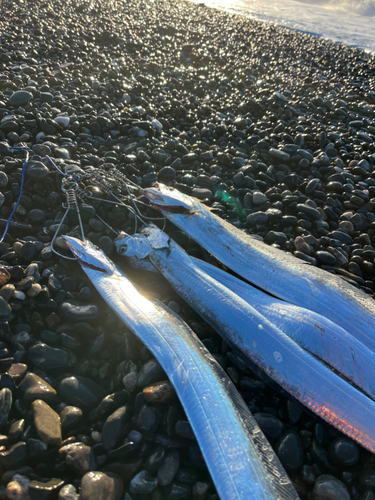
[(241, 462), (290, 366), (269, 268), (315, 333)]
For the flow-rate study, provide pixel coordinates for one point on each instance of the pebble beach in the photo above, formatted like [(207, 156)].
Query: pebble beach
[(271, 128)]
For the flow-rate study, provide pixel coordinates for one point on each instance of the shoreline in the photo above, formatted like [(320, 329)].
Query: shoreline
[(282, 123)]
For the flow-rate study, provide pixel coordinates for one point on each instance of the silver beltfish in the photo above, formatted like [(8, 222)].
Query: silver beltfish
[(241, 462), (315, 333), (290, 366), (272, 270)]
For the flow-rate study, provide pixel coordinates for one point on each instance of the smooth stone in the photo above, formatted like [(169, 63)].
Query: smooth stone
[(47, 358), (37, 169), (160, 392), (311, 212), (257, 218), (20, 98), (17, 489), (16, 430), (109, 404), (101, 486), (14, 457), (36, 216), (34, 387), (270, 425), (278, 155), (113, 427), (148, 418), (70, 417), (3, 179), (149, 373), (143, 483), (81, 458), (328, 487), (47, 423), (167, 174), (325, 258), (79, 312), (184, 429), (178, 492), (5, 309), (259, 198), (81, 391), (155, 459), (17, 371), (106, 244), (169, 468), (36, 448), (45, 491), (344, 451), (68, 492), (275, 237), (290, 452), (5, 405)]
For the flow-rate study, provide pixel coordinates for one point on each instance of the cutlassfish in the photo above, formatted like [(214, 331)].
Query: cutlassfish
[(290, 366), (241, 462), (269, 268), (315, 333)]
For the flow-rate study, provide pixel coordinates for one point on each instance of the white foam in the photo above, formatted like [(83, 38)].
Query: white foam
[(350, 22)]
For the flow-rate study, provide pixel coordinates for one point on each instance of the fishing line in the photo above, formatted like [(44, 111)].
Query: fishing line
[(21, 189)]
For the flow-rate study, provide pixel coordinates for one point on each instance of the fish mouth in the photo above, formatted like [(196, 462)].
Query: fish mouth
[(75, 246)]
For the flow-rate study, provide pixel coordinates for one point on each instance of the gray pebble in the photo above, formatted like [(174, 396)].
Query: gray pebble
[(328, 487)]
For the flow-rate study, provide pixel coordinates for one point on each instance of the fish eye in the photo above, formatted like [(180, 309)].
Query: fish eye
[(123, 249)]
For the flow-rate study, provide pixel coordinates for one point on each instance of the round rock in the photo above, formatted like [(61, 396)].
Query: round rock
[(20, 98), (81, 391), (47, 358), (328, 487), (47, 423), (143, 483), (100, 486)]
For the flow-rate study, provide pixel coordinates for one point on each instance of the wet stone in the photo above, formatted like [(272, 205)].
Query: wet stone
[(81, 458), (328, 487), (20, 98), (79, 312), (148, 418), (5, 309), (113, 427), (47, 358), (16, 430), (184, 429), (36, 448), (143, 483), (81, 391), (17, 489), (47, 423), (14, 457), (150, 372), (155, 459), (344, 451), (325, 258), (160, 392), (34, 387), (68, 492), (70, 417), (169, 467), (101, 486), (5, 405), (290, 452), (270, 425), (39, 490), (178, 492), (37, 169)]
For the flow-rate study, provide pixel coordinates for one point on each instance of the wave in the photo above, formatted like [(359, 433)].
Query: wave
[(358, 7)]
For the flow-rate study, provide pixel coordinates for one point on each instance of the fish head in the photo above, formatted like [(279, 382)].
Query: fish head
[(168, 199), (89, 255), (135, 246)]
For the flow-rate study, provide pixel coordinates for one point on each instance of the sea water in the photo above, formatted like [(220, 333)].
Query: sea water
[(350, 22)]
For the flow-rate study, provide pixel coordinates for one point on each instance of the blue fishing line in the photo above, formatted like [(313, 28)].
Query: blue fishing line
[(21, 189)]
